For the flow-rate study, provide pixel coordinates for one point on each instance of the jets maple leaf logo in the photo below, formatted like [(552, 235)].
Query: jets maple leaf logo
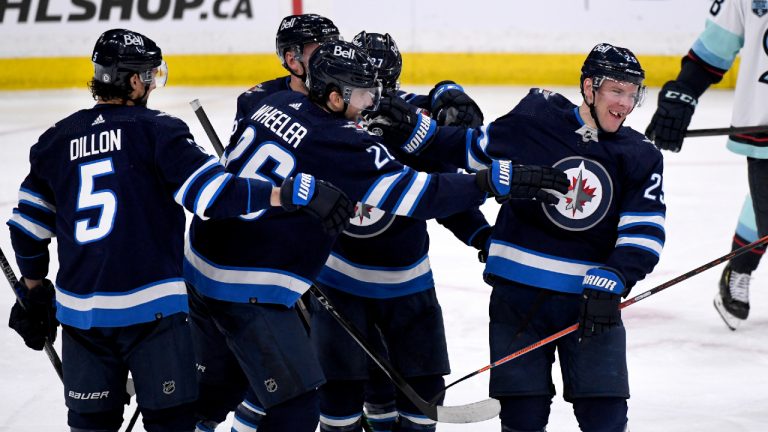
[(579, 193), (363, 211)]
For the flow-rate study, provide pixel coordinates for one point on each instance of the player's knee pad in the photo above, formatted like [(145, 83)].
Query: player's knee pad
[(604, 414), (524, 414), (300, 414), (105, 421), (381, 417), (180, 418), (216, 402)]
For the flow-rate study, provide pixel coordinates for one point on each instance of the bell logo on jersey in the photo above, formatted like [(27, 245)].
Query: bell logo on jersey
[(339, 51), (588, 198), (132, 39)]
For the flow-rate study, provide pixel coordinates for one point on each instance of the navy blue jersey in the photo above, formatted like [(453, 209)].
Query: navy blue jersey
[(287, 135), (613, 214), (250, 99), (108, 183)]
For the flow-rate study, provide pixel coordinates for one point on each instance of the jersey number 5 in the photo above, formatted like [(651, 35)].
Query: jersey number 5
[(89, 198)]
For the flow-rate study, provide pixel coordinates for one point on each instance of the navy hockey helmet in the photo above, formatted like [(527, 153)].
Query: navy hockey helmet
[(295, 31), (385, 56), (120, 53), (346, 68), (615, 63)]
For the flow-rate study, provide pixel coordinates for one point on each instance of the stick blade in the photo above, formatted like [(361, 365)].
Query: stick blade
[(470, 413)]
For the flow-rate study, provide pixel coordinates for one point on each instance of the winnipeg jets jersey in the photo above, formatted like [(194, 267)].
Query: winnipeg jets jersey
[(251, 98), (733, 27), (109, 183), (273, 256), (613, 214)]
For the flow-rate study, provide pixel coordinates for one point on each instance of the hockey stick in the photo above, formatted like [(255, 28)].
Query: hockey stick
[(624, 304), (725, 131), (470, 413), (50, 351)]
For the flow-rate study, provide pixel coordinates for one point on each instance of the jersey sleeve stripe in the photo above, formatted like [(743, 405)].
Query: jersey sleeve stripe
[(412, 195), (33, 199), (628, 220), (31, 227), (648, 243), (240, 147), (382, 187), (477, 158), (718, 46), (181, 194), (209, 192)]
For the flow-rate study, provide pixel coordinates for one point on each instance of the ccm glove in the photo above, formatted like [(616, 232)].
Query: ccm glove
[(318, 198), (600, 300), (669, 123), (505, 181), (403, 127), (452, 107), (33, 317)]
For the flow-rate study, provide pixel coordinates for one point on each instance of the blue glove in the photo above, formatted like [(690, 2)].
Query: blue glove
[(450, 106), (600, 300), (34, 319), (505, 181), (320, 199)]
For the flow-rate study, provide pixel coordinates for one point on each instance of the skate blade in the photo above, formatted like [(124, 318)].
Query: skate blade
[(731, 321)]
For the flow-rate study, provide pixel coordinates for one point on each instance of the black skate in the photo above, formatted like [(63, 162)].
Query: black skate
[(732, 299)]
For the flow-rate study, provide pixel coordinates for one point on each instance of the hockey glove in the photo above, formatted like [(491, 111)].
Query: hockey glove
[(527, 182), (600, 301), (34, 319), (402, 127), (318, 198), (482, 242), (452, 107), (672, 117)]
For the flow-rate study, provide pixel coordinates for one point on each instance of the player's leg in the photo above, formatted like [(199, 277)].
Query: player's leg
[(274, 351), (345, 364), (414, 334), (161, 360), (594, 370), (94, 381), (524, 386), (380, 405), (220, 379)]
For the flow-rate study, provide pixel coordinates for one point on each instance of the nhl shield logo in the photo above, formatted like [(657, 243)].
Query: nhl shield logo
[(271, 385), (760, 7), (588, 198), (169, 387)]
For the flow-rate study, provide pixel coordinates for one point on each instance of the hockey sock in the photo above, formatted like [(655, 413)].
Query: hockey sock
[(524, 414), (299, 414), (248, 417), (747, 262), (607, 414), (381, 417), (104, 421), (341, 404), (411, 419), (174, 419), (216, 402)]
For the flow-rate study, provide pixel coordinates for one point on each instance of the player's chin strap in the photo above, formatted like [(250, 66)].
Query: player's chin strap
[(593, 113), (141, 100)]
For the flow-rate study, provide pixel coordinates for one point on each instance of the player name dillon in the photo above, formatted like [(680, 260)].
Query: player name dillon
[(104, 142)]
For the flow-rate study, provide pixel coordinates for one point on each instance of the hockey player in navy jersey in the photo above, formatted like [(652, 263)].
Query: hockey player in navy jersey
[(551, 266), (110, 182), (298, 36), (246, 292), (379, 277), (733, 27)]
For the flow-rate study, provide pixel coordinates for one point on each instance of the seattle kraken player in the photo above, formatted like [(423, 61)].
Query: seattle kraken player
[(246, 292), (733, 27), (379, 277), (110, 182), (298, 36), (552, 265)]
